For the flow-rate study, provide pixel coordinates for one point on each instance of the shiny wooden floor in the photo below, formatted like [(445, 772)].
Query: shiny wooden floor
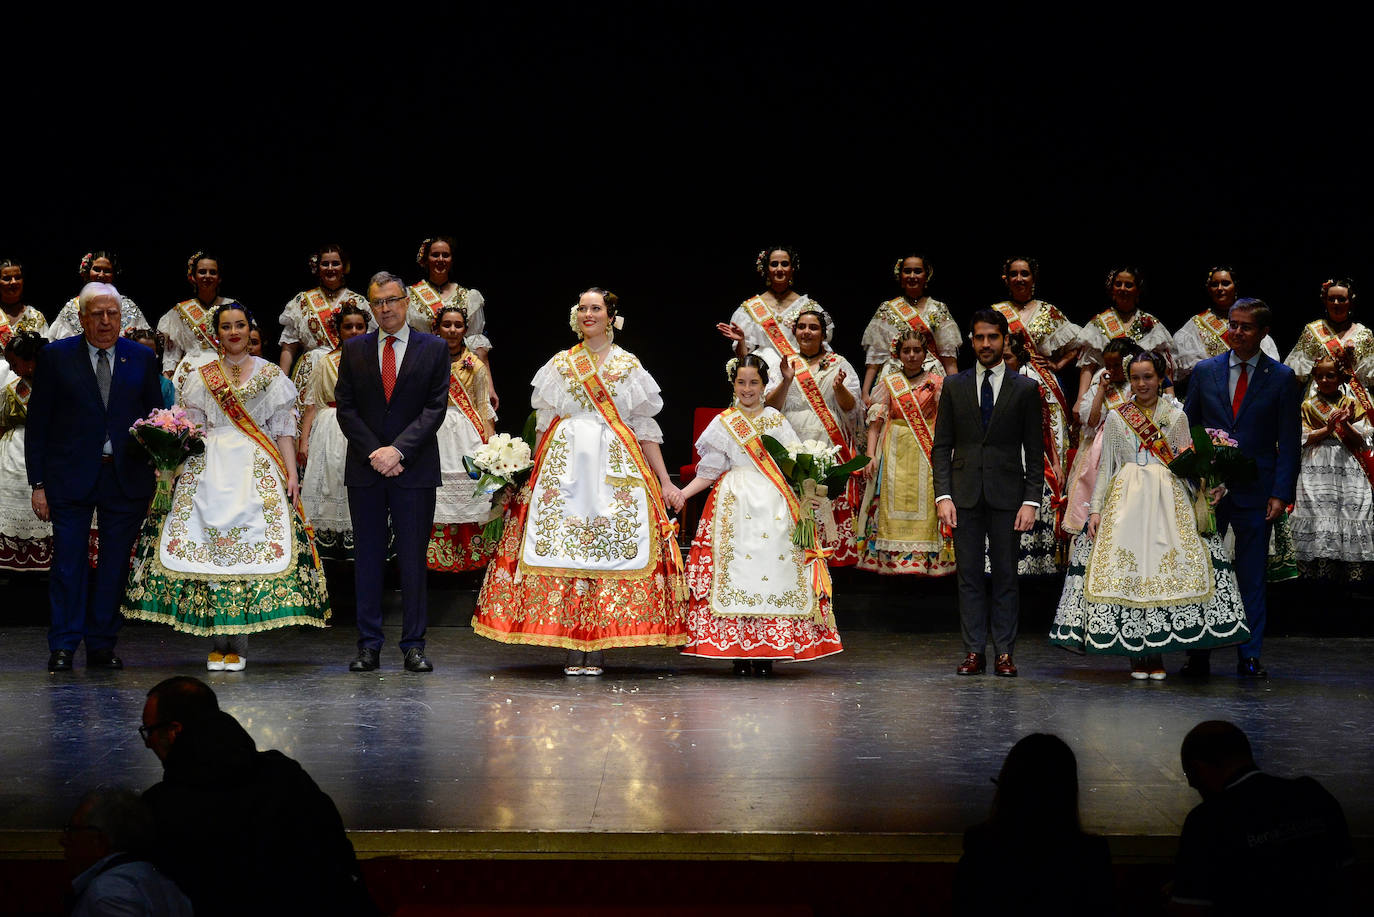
[(880, 752)]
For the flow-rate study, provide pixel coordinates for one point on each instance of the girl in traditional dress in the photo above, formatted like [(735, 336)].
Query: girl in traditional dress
[(899, 529), (589, 559), (1125, 287), (459, 515), (752, 597), (435, 257), (99, 266), (232, 557), (1204, 335), (1109, 388), (1151, 583), (819, 396), (187, 327), (307, 326), (25, 540), (1042, 550), (1329, 336), (14, 315), (914, 310), (1333, 515), (323, 448)]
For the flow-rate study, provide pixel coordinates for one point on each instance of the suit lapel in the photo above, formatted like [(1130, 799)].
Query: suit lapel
[(86, 373)]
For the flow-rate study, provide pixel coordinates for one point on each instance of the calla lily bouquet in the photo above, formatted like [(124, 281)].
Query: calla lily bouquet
[(502, 463), (168, 436), (1213, 458)]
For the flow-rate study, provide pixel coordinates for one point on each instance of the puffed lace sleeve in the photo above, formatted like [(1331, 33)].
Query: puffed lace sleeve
[(549, 397), (715, 448), (476, 338), (1179, 431), (277, 408), (1188, 350), (852, 382), (481, 392), (877, 339), (1085, 405), (1063, 334), (642, 400), (291, 319), (882, 404), (945, 329), (192, 393)]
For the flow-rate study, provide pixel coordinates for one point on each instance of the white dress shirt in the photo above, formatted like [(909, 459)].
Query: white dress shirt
[(998, 371), (399, 347), (1252, 363)]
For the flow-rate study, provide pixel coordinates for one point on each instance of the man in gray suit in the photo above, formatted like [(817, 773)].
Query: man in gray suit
[(989, 470)]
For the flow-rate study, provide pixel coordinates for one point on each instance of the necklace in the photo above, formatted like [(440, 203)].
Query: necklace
[(235, 367)]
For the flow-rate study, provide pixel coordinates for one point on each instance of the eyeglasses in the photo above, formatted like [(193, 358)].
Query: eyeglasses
[(389, 301), (145, 731)]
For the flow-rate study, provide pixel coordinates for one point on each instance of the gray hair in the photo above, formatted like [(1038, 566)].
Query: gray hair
[(382, 278), (121, 815), (93, 291)]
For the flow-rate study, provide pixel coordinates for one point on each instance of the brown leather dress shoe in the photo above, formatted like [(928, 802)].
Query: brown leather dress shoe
[(1005, 667), (973, 664)]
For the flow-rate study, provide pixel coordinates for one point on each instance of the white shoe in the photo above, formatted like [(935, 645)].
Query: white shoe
[(1139, 675), (235, 663), (1158, 675), (575, 670), (591, 670), (215, 662)]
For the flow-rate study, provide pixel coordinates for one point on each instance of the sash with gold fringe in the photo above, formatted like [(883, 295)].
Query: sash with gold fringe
[(458, 397), (758, 310), (908, 313), (584, 370), (319, 317), (1110, 323), (744, 432), (1146, 430), (193, 313), (223, 392), (1042, 365), (1331, 343), (910, 407), (431, 302), (1215, 333)]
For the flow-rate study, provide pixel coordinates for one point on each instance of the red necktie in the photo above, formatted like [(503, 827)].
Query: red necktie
[(1239, 396), (389, 368)]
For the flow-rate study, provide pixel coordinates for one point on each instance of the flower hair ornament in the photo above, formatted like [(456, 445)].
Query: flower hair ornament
[(897, 268), (617, 323), (894, 346), (731, 367), (86, 260), (314, 264), (761, 260), (191, 264), (420, 254)]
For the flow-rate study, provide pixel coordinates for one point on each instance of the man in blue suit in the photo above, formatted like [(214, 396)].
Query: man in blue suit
[(1256, 400), (87, 392), (392, 395)]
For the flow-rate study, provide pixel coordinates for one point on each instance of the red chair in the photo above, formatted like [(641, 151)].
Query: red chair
[(691, 513)]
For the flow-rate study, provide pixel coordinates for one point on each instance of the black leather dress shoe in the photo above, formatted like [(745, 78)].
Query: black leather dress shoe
[(103, 659), (1196, 666), (367, 661), (60, 661), (1250, 668), (416, 661)]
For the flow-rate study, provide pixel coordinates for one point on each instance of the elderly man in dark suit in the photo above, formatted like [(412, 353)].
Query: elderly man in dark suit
[(392, 395), (87, 392), (988, 467), (1257, 400)]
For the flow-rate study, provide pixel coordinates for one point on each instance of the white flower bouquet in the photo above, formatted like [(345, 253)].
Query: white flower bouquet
[(501, 463), (813, 470)]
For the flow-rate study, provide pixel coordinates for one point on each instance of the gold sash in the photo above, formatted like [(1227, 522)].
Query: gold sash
[(223, 392), (1146, 430), (758, 310), (584, 370), (1332, 344), (458, 397), (193, 313), (431, 302), (319, 317), (1215, 333), (1110, 323)]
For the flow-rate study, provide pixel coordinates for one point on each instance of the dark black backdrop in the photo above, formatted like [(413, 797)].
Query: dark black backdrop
[(653, 147)]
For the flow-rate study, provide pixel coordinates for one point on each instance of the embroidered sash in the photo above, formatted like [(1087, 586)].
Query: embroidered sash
[(458, 397), (22, 391), (1146, 430), (212, 374), (812, 390), (6, 329), (584, 371), (319, 317), (909, 406), (758, 310), (1365, 457), (431, 302), (1054, 471), (1110, 323), (908, 313), (1332, 344), (193, 313), (1042, 365), (1214, 331)]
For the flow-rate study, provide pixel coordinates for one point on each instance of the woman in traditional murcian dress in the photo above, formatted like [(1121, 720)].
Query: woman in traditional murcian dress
[(1327, 337), (1150, 583), (99, 266), (762, 324), (231, 557), (438, 289), (1125, 319), (15, 316), (187, 328), (1109, 387), (1051, 339), (1204, 335), (323, 448), (460, 514), (752, 596), (899, 531), (25, 540), (916, 310), (589, 560)]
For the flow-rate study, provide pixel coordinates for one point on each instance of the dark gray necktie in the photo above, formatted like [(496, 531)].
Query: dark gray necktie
[(102, 375), (986, 398)]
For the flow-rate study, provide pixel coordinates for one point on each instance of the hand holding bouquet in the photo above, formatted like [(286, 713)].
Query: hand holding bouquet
[(1216, 461), (502, 462), (168, 436)]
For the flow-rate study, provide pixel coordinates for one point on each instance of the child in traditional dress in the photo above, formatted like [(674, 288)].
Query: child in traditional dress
[(1333, 515), (25, 540)]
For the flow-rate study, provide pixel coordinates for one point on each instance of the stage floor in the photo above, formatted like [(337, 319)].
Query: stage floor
[(880, 751)]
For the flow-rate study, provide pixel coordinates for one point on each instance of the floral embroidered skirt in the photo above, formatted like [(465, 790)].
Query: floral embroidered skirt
[(743, 560), (323, 493), (25, 542)]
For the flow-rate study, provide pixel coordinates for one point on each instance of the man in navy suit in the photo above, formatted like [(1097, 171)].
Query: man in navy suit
[(988, 465), (392, 395), (1256, 399), (87, 392)]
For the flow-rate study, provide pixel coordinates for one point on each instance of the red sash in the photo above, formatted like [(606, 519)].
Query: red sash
[(1054, 471), (193, 313), (1331, 343), (218, 385), (458, 397), (1146, 430), (22, 391), (319, 317), (908, 313), (431, 302), (1324, 410), (1214, 331), (6, 329), (1016, 326), (912, 408), (758, 310), (812, 390), (584, 371)]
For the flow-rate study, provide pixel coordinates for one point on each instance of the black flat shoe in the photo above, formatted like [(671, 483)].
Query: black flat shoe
[(763, 668), (103, 659), (416, 661), (367, 661), (60, 661), (741, 667)]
